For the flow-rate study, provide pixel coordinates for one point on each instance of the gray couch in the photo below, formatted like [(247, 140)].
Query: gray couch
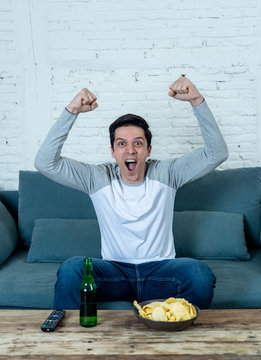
[(217, 219)]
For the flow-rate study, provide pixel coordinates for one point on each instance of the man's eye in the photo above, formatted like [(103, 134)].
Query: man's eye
[(138, 143), (122, 143)]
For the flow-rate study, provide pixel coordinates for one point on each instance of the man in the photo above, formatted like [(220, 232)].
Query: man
[(133, 199)]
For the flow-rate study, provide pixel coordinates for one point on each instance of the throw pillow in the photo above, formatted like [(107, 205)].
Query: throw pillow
[(210, 235), (55, 240), (8, 233)]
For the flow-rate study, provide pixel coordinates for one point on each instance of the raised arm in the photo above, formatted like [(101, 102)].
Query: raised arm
[(48, 159), (201, 161)]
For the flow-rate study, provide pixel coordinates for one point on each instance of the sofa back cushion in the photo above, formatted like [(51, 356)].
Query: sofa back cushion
[(40, 197), (8, 233), (233, 190), (10, 200)]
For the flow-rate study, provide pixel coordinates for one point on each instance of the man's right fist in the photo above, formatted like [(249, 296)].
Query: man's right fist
[(83, 102)]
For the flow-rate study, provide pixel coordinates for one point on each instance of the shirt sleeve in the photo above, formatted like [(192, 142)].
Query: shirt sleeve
[(65, 171), (201, 161)]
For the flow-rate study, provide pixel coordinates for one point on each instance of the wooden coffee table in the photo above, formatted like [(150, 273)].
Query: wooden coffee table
[(216, 334)]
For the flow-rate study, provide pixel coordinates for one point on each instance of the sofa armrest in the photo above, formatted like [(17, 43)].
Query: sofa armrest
[(8, 233)]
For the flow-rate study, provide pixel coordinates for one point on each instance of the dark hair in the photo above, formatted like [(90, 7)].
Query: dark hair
[(130, 120)]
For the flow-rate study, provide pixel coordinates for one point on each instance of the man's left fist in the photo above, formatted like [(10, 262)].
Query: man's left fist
[(183, 89)]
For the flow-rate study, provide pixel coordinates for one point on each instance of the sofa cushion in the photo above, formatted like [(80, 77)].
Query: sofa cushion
[(235, 190), (55, 240), (27, 285), (210, 235), (40, 197), (237, 283), (8, 233)]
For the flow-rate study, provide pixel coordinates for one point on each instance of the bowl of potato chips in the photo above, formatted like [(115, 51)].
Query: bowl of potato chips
[(173, 314)]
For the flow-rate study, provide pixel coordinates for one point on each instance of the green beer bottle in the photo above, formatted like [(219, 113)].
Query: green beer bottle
[(88, 304)]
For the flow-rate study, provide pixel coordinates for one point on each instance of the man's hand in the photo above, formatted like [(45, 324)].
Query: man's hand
[(83, 102), (183, 89)]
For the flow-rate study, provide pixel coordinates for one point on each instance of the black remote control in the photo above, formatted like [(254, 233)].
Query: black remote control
[(53, 320)]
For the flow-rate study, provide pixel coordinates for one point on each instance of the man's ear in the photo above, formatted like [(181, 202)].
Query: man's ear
[(112, 153), (149, 151)]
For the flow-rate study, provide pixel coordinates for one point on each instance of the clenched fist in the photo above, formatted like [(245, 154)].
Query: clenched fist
[(83, 102), (183, 89)]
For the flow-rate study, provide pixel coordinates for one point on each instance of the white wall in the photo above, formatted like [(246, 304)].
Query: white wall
[(127, 53)]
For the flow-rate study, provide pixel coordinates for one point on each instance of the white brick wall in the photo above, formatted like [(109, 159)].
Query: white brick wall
[(127, 53)]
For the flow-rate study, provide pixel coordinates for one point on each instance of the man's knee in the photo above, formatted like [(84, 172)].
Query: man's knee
[(196, 281), (69, 277), (205, 278), (203, 284), (71, 269)]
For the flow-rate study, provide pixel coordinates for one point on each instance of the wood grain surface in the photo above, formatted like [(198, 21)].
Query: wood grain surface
[(216, 334)]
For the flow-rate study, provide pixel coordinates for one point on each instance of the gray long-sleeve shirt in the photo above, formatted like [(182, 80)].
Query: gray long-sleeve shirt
[(135, 219)]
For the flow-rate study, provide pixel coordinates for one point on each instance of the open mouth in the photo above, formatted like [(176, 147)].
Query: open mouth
[(131, 165)]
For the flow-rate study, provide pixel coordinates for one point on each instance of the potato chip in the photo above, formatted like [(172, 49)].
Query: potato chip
[(180, 310), (171, 309), (159, 314), (170, 300)]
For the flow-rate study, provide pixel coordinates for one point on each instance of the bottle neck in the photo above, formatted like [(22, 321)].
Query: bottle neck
[(88, 269), (88, 278)]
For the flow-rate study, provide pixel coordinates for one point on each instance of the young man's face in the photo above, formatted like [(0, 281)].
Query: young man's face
[(130, 152)]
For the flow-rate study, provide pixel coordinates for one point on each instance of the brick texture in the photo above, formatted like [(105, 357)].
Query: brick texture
[(127, 53)]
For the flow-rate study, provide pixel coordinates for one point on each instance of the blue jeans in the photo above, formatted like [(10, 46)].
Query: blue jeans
[(181, 277)]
